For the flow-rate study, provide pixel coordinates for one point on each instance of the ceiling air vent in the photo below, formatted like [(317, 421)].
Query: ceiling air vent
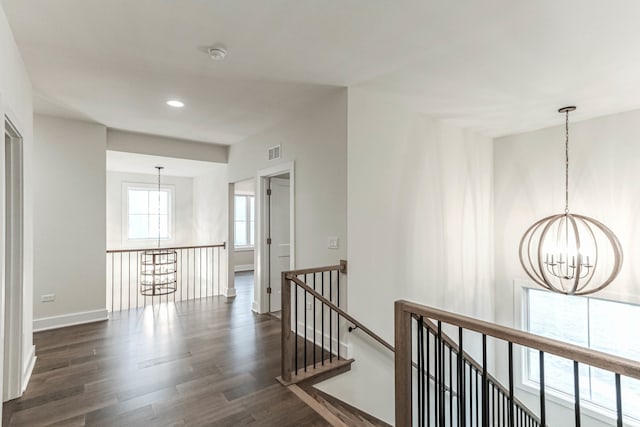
[(274, 153)]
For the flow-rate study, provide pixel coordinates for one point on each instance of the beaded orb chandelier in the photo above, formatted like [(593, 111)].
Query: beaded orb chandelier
[(159, 269), (569, 253)]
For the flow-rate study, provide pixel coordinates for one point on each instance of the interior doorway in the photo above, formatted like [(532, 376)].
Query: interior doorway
[(13, 271), (275, 234), (243, 259)]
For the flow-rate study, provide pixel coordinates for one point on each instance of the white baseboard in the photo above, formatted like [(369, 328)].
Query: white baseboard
[(55, 322), (243, 267), (31, 362)]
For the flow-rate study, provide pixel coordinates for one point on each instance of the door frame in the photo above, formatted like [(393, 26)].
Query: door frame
[(12, 384), (260, 296)]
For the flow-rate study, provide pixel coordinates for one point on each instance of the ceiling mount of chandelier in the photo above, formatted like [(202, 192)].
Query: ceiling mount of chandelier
[(569, 253)]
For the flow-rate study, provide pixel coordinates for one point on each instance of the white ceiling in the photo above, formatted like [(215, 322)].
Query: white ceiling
[(496, 66), (142, 163)]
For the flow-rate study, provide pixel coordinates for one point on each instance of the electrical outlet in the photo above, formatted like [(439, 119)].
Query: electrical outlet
[(333, 242), (48, 298)]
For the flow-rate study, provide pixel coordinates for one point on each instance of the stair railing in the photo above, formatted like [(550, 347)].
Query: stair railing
[(476, 399), (198, 276), (314, 322)]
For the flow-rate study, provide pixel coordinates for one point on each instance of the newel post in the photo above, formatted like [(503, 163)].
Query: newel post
[(286, 328), (402, 338)]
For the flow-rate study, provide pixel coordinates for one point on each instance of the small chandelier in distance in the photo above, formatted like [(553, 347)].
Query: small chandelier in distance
[(159, 266), (569, 253)]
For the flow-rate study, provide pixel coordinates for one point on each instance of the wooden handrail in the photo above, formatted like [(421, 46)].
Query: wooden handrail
[(598, 359), (219, 245), (342, 267), (291, 276)]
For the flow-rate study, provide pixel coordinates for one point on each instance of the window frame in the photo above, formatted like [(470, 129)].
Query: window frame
[(145, 242), (249, 228), (521, 367)]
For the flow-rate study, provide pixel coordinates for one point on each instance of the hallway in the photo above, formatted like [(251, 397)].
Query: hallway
[(205, 362)]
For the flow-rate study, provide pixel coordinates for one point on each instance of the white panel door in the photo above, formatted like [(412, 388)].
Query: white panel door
[(280, 243)]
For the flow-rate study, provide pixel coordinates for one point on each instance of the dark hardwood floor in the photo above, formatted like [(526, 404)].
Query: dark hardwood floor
[(203, 362)]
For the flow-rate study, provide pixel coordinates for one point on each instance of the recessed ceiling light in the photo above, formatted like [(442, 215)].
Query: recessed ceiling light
[(175, 103), (217, 53)]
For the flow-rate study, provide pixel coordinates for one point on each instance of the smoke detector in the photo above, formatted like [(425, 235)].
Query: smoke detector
[(217, 53)]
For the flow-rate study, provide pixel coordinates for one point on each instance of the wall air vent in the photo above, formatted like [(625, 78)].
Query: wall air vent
[(274, 153)]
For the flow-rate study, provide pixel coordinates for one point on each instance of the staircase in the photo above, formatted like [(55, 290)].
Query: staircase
[(437, 382)]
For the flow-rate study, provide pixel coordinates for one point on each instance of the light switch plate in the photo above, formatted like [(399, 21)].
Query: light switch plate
[(333, 242), (48, 298)]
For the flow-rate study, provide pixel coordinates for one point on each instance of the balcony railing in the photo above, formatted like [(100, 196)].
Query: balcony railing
[(198, 275)]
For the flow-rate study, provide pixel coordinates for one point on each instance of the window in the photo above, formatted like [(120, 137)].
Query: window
[(599, 324), (143, 206), (244, 221)]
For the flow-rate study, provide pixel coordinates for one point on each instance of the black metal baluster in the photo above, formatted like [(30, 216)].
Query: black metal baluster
[(330, 319), (296, 325), (323, 308), (441, 376), (450, 385), (543, 414), (305, 325), (477, 398), (461, 385), (511, 414), (314, 322), (470, 395), (576, 391), (420, 349), (427, 379), (619, 400), (338, 304), (485, 385)]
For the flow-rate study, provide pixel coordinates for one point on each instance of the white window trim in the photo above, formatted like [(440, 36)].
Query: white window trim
[(143, 243), (520, 360), (242, 248)]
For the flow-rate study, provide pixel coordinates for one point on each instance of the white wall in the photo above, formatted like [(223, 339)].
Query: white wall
[(183, 214), (420, 228), (70, 221), (210, 196), (604, 183), (316, 140), (16, 104)]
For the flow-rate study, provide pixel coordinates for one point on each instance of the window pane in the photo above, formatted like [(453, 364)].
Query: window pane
[(241, 233), (612, 328), (558, 316), (251, 208), (153, 203), (153, 226), (613, 331), (138, 201), (164, 202), (138, 226), (563, 318), (241, 208), (251, 239)]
